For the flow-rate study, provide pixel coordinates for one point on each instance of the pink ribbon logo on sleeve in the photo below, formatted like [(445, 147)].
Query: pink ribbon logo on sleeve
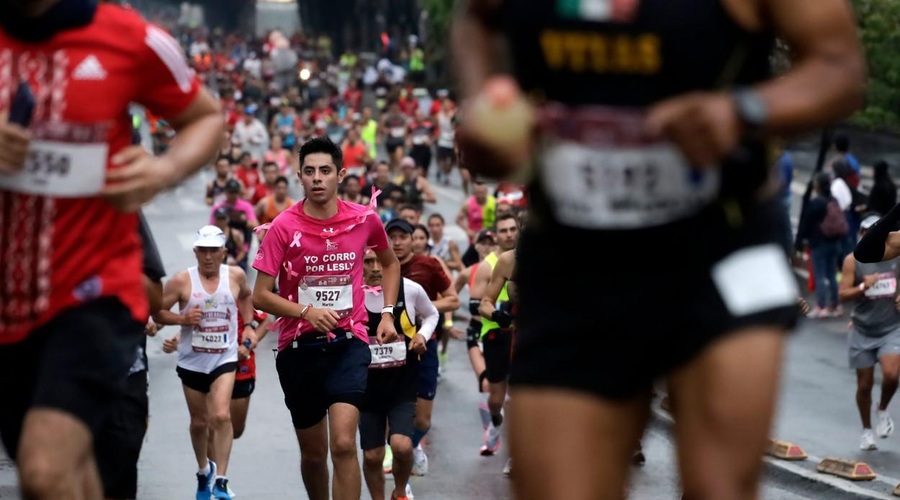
[(296, 241)]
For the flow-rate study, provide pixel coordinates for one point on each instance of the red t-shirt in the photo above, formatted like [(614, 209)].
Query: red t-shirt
[(354, 155), (259, 193), (60, 243), (249, 177), (427, 272), (246, 369), (353, 98)]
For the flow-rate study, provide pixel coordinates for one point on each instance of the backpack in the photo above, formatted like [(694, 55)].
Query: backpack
[(834, 224)]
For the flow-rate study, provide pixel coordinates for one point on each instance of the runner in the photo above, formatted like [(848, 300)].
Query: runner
[(498, 344), (724, 338), (881, 242), (247, 173), (267, 186), (416, 189), (390, 401), (315, 249), (356, 154), (241, 214), (496, 334), (74, 309), (235, 250), (427, 272), (272, 205), (421, 132), (118, 445), (874, 337), (477, 213), (394, 130), (442, 246), (207, 352), (353, 191), (485, 244), (215, 190), (446, 142)]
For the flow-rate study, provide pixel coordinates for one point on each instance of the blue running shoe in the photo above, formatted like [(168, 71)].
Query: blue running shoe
[(220, 489), (205, 482)]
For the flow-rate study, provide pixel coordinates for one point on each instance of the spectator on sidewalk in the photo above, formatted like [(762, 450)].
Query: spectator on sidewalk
[(883, 195), (823, 228), (842, 147)]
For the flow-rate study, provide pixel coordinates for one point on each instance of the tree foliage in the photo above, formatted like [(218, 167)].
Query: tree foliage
[(879, 22), (437, 43)]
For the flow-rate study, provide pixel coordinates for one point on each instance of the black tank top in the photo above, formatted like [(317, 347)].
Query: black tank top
[(568, 54), (411, 193)]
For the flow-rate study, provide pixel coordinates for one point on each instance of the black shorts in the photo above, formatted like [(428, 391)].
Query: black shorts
[(243, 388), (391, 145), (446, 154), (647, 301), (314, 377), (422, 156), (117, 446), (473, 333), (398, 418), (201, 382), (429, 364), (497, 347), (76, 363)]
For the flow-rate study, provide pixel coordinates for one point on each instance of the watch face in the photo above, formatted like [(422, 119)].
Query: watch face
[(752, 109)]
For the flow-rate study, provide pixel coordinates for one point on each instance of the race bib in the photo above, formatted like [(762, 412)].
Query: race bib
[(327, 292), (398, 132), (387, 355), (885, 286), (64, 161), (418, 140), (213, 339), (606, 174)]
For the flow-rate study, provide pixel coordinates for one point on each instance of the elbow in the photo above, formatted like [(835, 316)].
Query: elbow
[(258, 301)]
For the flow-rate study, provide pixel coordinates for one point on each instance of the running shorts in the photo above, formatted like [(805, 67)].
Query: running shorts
[(864, 352), (202, 382), (446, 154), (398, 418), (497, 347), (314, 377), (428, 371), (243, 388), (609, 312), (77, 363), (117, 447)]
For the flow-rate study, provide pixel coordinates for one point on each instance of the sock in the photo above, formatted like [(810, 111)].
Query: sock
[(221, 477), (497, 419), (205, 471), (417, 437)]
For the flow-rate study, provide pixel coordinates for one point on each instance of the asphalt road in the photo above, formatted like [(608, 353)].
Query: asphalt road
[(816, 410)]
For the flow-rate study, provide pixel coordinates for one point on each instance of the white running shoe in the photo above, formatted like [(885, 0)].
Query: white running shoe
[(491, 441), (867, 441), (507, 469), (230, 491), (885, 425), (420, 461), (388, 464), (409, 493)]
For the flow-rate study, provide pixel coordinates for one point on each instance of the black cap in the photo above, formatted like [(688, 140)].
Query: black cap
[(221, 213), (400, 224), (485, 234), (232, 186)]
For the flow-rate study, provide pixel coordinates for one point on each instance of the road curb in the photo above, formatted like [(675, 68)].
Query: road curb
[(793, 469)]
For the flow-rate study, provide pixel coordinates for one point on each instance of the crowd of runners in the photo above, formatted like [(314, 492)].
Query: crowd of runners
[(630, 135)]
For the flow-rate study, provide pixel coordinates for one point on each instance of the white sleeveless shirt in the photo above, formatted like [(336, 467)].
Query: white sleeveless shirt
[(213, 343)]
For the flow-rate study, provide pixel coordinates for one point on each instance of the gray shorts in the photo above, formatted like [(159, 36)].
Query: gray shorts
[(864, 352)]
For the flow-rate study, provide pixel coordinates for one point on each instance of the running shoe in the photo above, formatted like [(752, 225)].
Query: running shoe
[(442, 360), (885, 425), (231, 491), (836, 312), (220, 489), (491, 441), (420, 461), (485, 415), (638, 458), (409, 493), (867, 442), (388, 463), (818, 313), (507, 469), (205, 482)]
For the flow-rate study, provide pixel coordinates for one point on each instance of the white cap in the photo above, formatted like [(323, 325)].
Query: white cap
[(210, 237)]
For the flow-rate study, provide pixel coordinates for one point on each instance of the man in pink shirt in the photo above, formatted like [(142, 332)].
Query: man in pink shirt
[(315, 249)]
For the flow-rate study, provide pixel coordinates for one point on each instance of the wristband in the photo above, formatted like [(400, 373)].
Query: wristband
[(448, 323), (387, 310), (247, 343), (862, 287), (305, 310)]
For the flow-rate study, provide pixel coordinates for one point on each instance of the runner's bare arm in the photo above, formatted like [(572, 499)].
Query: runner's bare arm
[(266, 300), (240, 244), (462, 220), (473, 36), (892, 246), (462, 279), (499, 276), (209, 194), (455, 263), (881, 241), (263, 329), (260, 209), (427, 193), (390, 287), (846, 289), (448, 300), (244, 300), (173, 293), (479, 285)]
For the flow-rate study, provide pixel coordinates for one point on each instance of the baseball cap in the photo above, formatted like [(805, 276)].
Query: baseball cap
[(485, 234), (443, 93), (868, 222), (209, 237), (408, 161), (221, 213), (232, 186), (400, 224)]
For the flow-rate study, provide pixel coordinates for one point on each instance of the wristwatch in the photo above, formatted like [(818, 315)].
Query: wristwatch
[(387, 310), (751, 110), (254, 324)]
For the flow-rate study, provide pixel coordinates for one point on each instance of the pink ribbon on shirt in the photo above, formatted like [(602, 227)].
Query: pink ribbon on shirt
[(289, 268), (262, 227), (374, 290), (296, 241)]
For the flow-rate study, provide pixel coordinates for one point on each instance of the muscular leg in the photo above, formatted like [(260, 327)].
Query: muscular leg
[(372, 460), (219, 411), (401, 446), (239, 409), (197, 408), (343, 420), (423, 416), (890, 371), (865, 380), (313, 459), (476, 359), (726, 398), (55, 456), (588, 452), (496, 397)]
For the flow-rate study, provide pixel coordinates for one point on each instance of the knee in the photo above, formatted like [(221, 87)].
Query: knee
[(314, 458), (199, 423), (401, 445), (373, 458), (890, 375), (39, 475), (864, 385), (343, 446), (423, 420), (220, 418)]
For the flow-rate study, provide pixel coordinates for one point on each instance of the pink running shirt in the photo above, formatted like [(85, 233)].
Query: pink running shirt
[(320, 262)]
